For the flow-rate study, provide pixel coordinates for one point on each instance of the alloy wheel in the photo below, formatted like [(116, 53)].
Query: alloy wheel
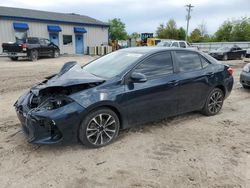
[(101, 129), (215, 102)]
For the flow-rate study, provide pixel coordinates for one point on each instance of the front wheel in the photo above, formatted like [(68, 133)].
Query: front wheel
[(214, 102), (246, 87), (99, 128), (56, 54)]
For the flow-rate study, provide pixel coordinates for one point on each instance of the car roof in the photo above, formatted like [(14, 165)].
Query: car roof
[(149, 50)]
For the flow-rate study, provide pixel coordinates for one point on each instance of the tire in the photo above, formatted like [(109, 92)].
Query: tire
[(242, 56), (214, 102), (246, 87), (225, 57), (56, 54), (14, 58), (33, 55), (97, 129)]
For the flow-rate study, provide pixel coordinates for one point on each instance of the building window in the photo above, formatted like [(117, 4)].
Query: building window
[(20, 36), (67, 39)]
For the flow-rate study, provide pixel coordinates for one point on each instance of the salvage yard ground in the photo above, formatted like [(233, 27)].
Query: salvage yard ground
[(190, 150)]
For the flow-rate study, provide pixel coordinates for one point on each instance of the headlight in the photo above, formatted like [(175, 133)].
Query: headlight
[(246, 68), (55, 102)]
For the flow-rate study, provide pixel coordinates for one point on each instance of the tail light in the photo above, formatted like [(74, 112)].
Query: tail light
[(24, 46), (230, 71)]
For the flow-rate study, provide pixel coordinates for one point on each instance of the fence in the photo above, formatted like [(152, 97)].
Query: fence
[(213, 45)]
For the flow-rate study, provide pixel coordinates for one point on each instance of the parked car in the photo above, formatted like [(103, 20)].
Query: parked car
[(176, 44), (122, 89), (33, 48), (227, 53), (248, 52), (245, 76)]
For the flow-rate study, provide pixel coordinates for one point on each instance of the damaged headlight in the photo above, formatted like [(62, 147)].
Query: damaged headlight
[(55, 102), (246, 68)]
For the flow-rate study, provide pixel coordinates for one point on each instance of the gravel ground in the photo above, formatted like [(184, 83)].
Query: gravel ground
[(189, 150)]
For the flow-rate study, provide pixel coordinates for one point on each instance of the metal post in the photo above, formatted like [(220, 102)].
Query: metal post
[(189, 8)]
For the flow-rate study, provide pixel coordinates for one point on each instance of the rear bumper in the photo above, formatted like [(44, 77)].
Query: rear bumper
[(245, 78), (17, 54)]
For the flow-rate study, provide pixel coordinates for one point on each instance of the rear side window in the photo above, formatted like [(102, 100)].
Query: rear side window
[(182, 44), (156, 65), (188, 61), (204, 62)]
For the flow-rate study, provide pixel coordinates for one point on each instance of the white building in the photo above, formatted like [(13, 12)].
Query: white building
[(71, 32)]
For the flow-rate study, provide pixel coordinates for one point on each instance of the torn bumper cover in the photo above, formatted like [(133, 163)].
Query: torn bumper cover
[(48, 126)]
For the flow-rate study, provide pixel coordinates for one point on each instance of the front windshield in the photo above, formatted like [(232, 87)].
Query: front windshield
[(222, 49), (112, 64), (167, 44)]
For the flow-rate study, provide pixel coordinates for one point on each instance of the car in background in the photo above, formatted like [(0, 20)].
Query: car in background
[(248, 52), (125, 88), (228, 53), (176, 44), (32, 48), (245, 76)]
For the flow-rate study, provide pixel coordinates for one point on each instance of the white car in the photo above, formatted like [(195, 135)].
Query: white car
[(176, 44)]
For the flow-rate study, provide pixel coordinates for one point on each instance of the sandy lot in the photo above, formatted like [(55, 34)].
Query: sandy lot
[(190, 150)]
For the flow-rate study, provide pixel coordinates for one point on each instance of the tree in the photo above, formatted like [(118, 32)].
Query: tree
[(117, 30), (241, 30), (224, 32), (134, 35), (169, 31), (195, 35), (181, 33)]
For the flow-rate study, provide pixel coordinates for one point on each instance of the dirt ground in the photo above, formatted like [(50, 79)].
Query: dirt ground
[(190, 150)]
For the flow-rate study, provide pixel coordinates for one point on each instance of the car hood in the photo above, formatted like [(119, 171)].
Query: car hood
[(218, 51), (68, 76)]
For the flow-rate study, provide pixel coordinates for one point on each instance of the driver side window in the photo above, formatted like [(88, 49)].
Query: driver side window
[(157, 65)]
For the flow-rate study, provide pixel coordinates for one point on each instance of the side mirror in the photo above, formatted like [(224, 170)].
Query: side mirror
[(138, 77)]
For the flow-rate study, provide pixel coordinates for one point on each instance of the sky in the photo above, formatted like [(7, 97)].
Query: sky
[(145, 15)]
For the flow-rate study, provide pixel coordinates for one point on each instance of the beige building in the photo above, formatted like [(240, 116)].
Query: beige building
[(73, 33)]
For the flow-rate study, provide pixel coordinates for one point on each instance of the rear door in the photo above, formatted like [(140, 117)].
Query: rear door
[(195, 74), (157, 97)]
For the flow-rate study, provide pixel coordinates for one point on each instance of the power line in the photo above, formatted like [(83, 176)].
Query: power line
[(188, 17)]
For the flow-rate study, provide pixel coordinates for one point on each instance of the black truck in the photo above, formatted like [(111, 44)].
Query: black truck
[(32, 48)]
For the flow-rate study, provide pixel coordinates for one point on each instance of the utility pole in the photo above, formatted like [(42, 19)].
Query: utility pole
[(189, 9)]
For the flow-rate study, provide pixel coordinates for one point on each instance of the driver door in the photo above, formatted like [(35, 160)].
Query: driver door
[(155, 98)]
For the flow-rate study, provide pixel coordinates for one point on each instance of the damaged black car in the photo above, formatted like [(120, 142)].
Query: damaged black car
[(91, 103)]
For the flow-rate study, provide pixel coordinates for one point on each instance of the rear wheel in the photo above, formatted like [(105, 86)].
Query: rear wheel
[(14, 58), (225, 57), (214, 102), (33, 55), (99, 128), (242, 56)]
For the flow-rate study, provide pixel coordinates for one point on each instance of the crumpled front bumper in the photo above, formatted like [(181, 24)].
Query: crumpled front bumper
[(49, 126)]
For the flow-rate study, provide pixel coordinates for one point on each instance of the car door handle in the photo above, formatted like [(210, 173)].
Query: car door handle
[(174, 82), (210, 74)]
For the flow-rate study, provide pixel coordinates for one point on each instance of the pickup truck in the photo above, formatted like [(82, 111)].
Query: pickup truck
[(33, 48), (176, 44)]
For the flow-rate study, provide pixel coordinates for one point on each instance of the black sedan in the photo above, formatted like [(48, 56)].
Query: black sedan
[(245, 76), (120, 90), (228, 53)]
